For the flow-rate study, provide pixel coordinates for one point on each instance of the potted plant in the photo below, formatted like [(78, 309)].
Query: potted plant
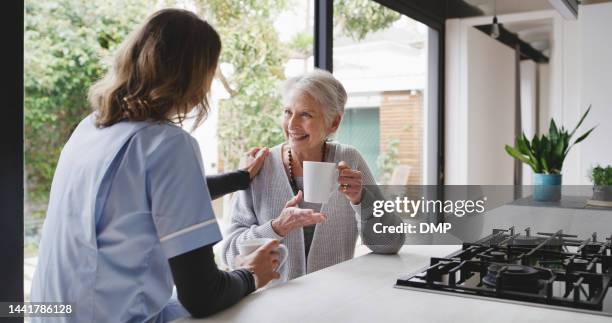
[(545, 155), (602, 186)]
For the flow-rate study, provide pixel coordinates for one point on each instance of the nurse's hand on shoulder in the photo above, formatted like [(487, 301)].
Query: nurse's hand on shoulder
[(292, 217), (262, 263), (253, 159)]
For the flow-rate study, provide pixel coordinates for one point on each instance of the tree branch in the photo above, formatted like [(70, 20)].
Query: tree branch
[(225, 83)]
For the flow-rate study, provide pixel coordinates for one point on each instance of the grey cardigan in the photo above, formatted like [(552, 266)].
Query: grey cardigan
[(334, 239)]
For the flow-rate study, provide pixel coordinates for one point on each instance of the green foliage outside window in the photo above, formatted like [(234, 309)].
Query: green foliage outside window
[(64, 42), (388, 160), (67, 42), (358, 18)]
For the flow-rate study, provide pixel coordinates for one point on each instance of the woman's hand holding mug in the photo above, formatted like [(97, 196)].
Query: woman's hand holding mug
[(262, 263), (292, 217), (351, 182)]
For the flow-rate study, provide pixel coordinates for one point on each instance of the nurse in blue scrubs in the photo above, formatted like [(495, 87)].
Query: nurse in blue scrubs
[(129, 213)]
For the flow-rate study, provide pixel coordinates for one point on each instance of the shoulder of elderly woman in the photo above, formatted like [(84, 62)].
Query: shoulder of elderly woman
[(268, 166), (348, 152)]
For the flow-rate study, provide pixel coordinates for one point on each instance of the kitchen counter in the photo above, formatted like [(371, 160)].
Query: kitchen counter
[(361, 290)]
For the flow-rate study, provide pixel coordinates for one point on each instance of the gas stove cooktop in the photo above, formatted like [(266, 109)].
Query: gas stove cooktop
[(545, 269)]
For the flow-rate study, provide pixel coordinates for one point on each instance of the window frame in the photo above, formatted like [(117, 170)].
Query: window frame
[(431, 13), (11, 163)]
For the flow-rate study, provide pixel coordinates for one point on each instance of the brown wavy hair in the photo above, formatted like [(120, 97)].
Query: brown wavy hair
[(161, 72)]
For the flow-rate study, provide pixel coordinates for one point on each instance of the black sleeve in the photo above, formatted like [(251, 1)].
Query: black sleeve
[(202, 288), (222, 184)]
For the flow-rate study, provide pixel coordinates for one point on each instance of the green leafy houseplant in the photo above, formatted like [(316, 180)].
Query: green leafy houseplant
[(545, 154), (602, 186), (602, 176)]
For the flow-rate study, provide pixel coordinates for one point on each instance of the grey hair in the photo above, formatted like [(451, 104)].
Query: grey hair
[(323, 87)]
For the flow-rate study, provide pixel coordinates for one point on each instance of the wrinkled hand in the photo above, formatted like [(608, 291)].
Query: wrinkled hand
[(262, 263), (252, 160), (292, 217), (350, 182)]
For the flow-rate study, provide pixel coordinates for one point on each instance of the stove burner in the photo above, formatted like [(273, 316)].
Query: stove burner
[(513, 277)]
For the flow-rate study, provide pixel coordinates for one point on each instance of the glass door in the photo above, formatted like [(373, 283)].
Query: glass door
[(388, 65)]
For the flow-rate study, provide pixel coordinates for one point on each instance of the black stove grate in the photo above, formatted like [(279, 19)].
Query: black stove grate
[(547, 268)]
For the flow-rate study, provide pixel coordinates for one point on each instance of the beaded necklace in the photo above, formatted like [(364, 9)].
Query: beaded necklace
[(291, 178)]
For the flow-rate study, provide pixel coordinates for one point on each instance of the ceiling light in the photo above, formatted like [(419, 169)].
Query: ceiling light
[(495, 26)]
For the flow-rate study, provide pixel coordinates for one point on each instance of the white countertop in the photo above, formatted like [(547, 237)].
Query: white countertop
[(361, 290)]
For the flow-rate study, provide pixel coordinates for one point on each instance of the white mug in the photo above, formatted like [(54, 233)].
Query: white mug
[(248, 246), (320, 181)]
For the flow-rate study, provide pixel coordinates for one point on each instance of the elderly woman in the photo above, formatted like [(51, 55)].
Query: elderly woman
[(316, 235)]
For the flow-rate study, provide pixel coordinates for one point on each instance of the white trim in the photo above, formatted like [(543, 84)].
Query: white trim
[(187, 230), (430, 112), (455, 117)]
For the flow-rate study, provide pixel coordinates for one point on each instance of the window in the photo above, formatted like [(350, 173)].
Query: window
[(66, 42), (388, 65), (275, 44)]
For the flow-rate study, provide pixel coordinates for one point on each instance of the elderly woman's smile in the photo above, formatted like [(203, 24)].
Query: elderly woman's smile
[(304, 123)]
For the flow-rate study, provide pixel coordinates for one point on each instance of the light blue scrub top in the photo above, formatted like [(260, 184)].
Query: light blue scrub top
[(124, 199)]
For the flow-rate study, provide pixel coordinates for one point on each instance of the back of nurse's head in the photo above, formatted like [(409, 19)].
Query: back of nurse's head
[(161, 72)]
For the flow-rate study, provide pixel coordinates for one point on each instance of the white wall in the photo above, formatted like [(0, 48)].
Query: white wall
[(596, 85), (565, 73), (528, 91), (544, 96), (491, 105), (528, 96), (579, 73), (479, 110)]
